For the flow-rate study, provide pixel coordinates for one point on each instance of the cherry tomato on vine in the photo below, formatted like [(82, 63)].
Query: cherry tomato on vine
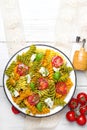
[(57, 61), (82, 98), (14, 110), (73, 103), (71, 116), (81, 120), (83, 109)]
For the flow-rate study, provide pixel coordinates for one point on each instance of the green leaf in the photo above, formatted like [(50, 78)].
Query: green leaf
[(39, 56), (32, 85), (39, 106), (56, 75)]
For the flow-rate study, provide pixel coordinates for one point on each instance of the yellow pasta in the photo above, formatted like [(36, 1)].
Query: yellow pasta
[(50, 69), (58, 95), (46, 58), (34, 110), (22, 96), (69, 84), (45, 110)]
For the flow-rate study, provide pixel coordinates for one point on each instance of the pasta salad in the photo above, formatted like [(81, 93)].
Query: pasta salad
[(39, 80)]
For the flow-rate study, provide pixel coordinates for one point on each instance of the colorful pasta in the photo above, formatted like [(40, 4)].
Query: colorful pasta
[(10, 69), (39, 80), (51, 72), (25, 57)]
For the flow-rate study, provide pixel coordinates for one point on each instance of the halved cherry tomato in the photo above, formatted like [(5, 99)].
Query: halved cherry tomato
[(14, 110), (33, 99), (81, 120), (43, 84), (57, 61), (22, 69), (61, 88), (82, 98), (73, 103), (83, 109), (71, 116)]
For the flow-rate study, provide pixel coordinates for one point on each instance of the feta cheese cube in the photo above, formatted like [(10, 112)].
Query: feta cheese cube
[(44, 71), (28, 78), (49, 102), (56, 69), (33, 57), (16, 93)]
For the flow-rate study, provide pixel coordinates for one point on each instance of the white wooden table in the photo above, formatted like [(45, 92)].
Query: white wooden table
[(38, 27)]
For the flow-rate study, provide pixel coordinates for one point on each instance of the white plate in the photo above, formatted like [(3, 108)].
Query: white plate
[(72, 76)]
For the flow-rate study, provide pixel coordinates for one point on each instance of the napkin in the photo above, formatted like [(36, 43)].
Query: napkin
[(46, 123), (13, 26)]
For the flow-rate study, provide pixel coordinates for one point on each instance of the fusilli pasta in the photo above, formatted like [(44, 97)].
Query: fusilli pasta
[(33, 80)]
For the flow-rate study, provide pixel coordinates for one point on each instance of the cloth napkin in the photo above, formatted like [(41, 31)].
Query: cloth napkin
[(13, 27)]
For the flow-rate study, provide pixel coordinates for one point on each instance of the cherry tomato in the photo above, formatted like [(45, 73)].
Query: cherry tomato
[(14, 110), (22, 69), (73, 103), (82, 98), (57, 61), (70, 116), (81, 120), (33, 99), (43, 84), (83, 109), (61, 88)]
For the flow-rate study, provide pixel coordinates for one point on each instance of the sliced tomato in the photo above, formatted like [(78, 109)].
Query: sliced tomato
[(22, 69), (14, 110), (57, 61), (43, 84), (33, 99), (61, 88)]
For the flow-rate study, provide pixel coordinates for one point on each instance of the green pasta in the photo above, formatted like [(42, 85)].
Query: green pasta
[(22, 104), (52, 91), (10, 69), (35, 67), (10, 87), (65, 69), (63, 78), (59, 102), (48, 93), (43, 92), (25, 57)]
